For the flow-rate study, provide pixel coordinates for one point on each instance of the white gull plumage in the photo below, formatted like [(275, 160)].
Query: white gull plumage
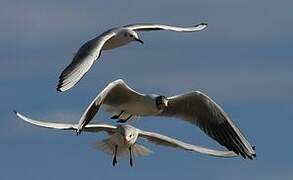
[(195, 107), (115, 37), (123, 139)]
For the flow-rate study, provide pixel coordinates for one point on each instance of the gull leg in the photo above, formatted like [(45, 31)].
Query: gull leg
[(114, 156), (130, 157), (117, 116), (124, 120)]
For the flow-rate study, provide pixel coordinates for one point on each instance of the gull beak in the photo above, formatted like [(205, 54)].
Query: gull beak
[(139, 40), (124, 141)]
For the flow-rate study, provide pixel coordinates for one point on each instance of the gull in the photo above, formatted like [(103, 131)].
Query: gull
[(115, 37), (123, 103), (123, 139)]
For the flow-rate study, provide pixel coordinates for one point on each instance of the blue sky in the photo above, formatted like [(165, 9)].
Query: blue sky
[(243, 61)]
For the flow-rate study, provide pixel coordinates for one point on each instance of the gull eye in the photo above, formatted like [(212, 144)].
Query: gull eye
[(131, 35), (130, 135), (159, 101)]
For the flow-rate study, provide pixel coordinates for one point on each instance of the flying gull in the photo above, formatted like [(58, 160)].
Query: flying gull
[(115, 37), (122, 139), (195, 107)]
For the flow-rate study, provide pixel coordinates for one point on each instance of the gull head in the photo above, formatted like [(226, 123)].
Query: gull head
[(161, 103), (128, 133), (131, 35)]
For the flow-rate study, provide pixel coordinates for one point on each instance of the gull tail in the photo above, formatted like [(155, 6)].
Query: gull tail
[(107, 146), (140, 150)]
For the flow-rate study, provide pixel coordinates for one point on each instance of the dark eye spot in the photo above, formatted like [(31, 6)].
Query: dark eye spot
[(131, 35), (159, 101), (130, 135)]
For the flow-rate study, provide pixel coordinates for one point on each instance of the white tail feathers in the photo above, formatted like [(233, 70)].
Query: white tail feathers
[(107, 146), (140, 150)]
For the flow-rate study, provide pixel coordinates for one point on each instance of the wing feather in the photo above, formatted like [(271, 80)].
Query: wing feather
[(153, 27), (82, 61), (197, 108), (67, 126), (163, 140)]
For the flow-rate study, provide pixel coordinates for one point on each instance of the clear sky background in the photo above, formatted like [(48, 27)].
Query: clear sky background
[(243, 61)]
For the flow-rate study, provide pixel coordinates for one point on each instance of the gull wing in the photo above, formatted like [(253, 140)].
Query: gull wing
[(82, 61), (153, 27), (67, 126), (197, 108), (115, 94), (163, 140)]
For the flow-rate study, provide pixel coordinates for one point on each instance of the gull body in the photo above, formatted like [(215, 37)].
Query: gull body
[(113, 38), (123, 103), (123, 139), (143, 105), (122, 37)]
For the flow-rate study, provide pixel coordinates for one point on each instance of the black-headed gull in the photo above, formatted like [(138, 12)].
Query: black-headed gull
[(123, 103), (115, 37), (122, 139)]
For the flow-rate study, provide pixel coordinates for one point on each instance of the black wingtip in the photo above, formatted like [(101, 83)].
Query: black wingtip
[(245, 155), (251, 156), (60, 83), (204, 23), (59, 88)]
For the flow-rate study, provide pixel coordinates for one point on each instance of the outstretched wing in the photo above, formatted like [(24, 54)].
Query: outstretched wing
[(115, 94), (197, 108), (66, 126), (153, 27), (82, 61), (167, 141)]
